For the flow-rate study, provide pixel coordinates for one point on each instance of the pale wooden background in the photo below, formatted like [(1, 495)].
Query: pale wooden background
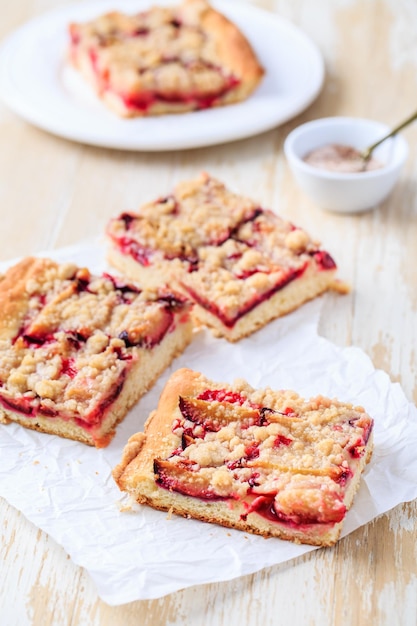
[(54, 193)]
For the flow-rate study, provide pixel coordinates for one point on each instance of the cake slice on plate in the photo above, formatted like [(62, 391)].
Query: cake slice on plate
[(258, 460), (78, 350), (241, 264), (169, 59)]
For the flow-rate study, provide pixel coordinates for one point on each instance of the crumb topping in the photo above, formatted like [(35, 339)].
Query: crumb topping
[(298, 456), (229, 253), (164, 52), (68, 338)]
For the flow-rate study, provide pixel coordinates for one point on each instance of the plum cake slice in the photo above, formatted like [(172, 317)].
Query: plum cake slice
[(165, 60), (242, 265), (262, 461), (78, 350)]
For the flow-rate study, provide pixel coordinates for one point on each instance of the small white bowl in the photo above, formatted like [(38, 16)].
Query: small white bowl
[(345, 192)]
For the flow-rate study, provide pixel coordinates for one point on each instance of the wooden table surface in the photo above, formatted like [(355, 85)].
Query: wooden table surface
[(54, 193)]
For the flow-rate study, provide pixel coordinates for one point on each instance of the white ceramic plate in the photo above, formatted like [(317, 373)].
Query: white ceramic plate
[(37, 83)]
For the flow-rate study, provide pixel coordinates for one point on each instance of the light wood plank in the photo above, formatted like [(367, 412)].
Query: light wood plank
[(54, 193)]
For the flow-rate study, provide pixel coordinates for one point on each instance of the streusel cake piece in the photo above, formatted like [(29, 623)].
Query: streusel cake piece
[(262, 461), (242, 265), (165, 60), (77, 350)]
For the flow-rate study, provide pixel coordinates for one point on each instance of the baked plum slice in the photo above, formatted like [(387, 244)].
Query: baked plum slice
[(178, 477)]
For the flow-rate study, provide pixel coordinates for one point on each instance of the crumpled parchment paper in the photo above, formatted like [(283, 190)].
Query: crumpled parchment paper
[(133, 552)]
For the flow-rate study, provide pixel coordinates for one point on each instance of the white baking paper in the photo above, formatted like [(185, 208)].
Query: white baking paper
[(67, 490)]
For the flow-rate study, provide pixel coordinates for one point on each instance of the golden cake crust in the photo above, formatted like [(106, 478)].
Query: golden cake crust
[(232, 47), (13, 293), (262, 461), (166, 59)]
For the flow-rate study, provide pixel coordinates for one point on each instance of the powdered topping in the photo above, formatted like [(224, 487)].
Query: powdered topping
[(342, 159)]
